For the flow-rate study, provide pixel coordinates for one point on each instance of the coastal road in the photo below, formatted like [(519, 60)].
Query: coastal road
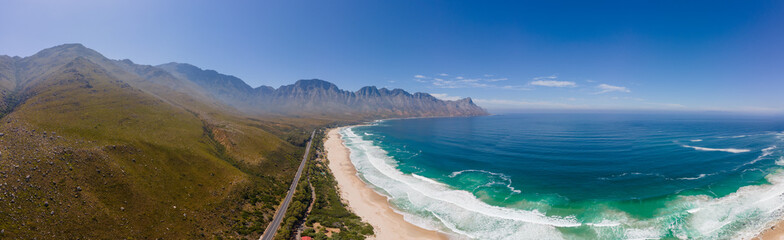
[(275, 224)]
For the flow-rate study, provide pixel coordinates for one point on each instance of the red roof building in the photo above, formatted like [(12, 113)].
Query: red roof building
[(306, 238)]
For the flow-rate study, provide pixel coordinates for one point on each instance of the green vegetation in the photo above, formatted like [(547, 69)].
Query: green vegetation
[(329, 218), (101, 149), (297, 211), (86, 155), (9, 101)]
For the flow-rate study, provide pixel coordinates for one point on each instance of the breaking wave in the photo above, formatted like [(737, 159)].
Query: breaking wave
[(729, 150), (434, 205)]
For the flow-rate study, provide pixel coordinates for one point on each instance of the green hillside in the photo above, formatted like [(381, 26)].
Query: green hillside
[(88, 155), (104, 149)]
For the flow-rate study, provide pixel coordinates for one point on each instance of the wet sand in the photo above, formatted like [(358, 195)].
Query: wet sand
[(371, 206)]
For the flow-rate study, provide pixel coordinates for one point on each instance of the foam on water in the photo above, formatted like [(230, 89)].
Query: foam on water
[(458, 211), (736, 136), (624, 176), (741, 214), (765, 152), (435, 205), (695, 178), (730, 150), (505, 179)]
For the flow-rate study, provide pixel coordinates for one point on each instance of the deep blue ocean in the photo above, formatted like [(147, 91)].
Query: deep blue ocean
[(578, 176)]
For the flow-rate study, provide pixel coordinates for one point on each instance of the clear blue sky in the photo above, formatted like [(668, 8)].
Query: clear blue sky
[(676, 55)]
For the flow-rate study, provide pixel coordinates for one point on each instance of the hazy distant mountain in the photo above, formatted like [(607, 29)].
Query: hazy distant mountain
[(102, 148), (106, 147), (324, 97), (320, 97), (225, 87), (197, 86)]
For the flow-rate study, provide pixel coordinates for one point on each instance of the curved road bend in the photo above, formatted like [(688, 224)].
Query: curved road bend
[(275, 224)]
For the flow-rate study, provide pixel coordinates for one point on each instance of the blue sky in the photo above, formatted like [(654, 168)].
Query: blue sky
[(664, 55)]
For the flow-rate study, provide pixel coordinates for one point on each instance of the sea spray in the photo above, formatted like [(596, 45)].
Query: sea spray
[(438, 185)]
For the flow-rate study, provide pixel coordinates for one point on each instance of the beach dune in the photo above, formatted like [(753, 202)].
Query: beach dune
[(371, 206)]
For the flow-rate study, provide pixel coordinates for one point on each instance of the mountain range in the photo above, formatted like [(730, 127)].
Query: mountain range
[(318, 97), (312, 97), (92, 147)]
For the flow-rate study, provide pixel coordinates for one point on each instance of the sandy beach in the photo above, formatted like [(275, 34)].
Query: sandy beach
[(364, 201), (774, 233), (373, 207)]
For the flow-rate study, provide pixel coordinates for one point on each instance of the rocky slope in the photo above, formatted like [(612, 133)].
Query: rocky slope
[(318, 97)]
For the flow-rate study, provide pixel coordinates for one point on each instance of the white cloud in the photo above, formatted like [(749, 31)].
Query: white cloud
[(551, 77), (497, 79), (553, 83), (444, 96), (515, 87), (465, 83), (443, 81), (606, 88)]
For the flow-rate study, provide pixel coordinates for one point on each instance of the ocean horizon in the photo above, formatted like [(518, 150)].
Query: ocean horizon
[(577, 176)]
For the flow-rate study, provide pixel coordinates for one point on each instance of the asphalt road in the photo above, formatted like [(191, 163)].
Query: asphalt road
[(269, 233)]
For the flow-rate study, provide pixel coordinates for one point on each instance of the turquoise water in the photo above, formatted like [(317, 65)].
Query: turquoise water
[(578, 176)]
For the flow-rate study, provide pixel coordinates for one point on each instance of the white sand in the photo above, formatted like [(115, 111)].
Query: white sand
[(371, 206)]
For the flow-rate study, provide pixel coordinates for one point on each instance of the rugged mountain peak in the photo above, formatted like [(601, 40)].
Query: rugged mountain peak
[(203, 74), (467, 100), (319, 97), (264, 89), (80, 72), (211, 80), (427, 96), (31, 68), (70, 45), (307, 96), (72, 49), (398, 91), (180, 66), (370, 91), (308, 84)]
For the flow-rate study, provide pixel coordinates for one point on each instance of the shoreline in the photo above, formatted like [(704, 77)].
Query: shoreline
[(774, 232), (368, 204), (375, 209)]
